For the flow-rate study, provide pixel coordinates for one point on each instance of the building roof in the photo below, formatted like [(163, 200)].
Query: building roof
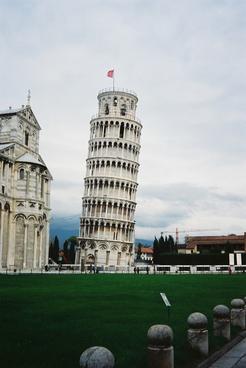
[(220, 240), (147, 250), (11, 111), (27, 157), (21, 109), (3, 146)]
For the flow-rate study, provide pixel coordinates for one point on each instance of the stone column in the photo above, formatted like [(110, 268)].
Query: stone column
[(25, 244), (46, 244), (11, 240), (77, 255), (106, 211), (238, 313), (35, 245), (41, 246), (97, 357), (198, 333), (1, 235), (160, 349), (221, 321), (96, 257)]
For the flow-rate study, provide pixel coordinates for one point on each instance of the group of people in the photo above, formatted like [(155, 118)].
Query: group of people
[(137, 270)]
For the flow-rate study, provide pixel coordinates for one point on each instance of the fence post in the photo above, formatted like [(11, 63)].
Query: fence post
[(197, 333), (160, 349), (97, 357), (221, 321), (238, 313)]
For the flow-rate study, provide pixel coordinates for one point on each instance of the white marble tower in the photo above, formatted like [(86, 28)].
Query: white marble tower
[(109, 201)]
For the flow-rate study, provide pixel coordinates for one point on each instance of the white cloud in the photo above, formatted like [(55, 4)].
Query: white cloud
[(185, 60)]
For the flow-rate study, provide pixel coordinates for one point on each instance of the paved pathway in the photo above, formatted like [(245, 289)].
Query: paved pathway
[(234, 358)]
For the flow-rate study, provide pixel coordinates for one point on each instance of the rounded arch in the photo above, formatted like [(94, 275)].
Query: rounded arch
[(7, 207), (90, 258), (32, 217), (103, 246), (18, 215)]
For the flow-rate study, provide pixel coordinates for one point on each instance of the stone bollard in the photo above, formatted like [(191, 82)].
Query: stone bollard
[(238, 313), (244, 299), (160, 349), (221, 321), (198, 332), (97, 357)]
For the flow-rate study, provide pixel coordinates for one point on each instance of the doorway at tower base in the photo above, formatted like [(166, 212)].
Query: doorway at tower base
[(104, 253)]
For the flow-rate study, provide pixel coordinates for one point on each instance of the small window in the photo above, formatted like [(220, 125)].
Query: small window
[(132, 105), (115, 101), (123, 110), (122, 130), (106, 109), (26, 138), (3, 189), (22, 174)]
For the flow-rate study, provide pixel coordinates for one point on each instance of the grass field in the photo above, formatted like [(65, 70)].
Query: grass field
[(48, 320)]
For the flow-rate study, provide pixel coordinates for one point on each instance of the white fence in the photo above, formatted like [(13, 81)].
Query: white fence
[(141, 269)]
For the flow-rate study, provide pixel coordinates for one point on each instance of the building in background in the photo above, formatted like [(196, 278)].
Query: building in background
[(146, 254), (109, 201), (216, 244), (24, 192)]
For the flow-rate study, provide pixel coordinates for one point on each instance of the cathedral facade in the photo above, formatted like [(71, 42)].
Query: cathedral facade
[(24, 192), (110, 186)]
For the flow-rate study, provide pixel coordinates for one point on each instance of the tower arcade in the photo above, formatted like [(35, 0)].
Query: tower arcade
[(110, 186)]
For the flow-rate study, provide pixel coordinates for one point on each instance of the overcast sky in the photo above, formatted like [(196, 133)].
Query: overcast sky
[(185, 59)]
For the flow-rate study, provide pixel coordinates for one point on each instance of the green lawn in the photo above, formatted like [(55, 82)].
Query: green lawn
[(49, 320)]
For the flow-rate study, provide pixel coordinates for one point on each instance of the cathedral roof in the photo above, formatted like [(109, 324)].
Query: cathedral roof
[(22, 110), (27, 157), (11, 111), (5, 145)]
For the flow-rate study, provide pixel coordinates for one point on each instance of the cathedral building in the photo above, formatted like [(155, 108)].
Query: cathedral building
[(110, 186), (24, 192)]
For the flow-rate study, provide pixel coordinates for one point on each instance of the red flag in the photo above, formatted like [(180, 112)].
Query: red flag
[(110, 73)]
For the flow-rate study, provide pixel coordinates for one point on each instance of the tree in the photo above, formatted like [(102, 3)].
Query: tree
[(170, 244), (139, 251), (51, 250), (162, 245), (72, 242), (155, 251), (66, 253), (56, 249)]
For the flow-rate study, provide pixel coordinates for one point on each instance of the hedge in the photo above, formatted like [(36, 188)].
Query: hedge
[(193, 259)]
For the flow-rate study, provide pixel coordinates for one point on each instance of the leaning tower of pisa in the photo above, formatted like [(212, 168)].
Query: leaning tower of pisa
[(110, 186)]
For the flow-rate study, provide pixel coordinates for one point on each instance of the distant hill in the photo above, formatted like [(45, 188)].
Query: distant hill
[(64, 227), (147, 243)]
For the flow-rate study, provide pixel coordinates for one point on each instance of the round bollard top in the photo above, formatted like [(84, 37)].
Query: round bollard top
[(237, 303), (221, 311), (160, 335), (97, 357), (197, 320)]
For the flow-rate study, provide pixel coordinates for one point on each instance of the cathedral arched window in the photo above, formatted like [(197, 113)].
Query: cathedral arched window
[(26, 138), (115, 101), (22, 174)]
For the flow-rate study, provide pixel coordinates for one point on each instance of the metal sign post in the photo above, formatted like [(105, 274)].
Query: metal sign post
[(167, 304)]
